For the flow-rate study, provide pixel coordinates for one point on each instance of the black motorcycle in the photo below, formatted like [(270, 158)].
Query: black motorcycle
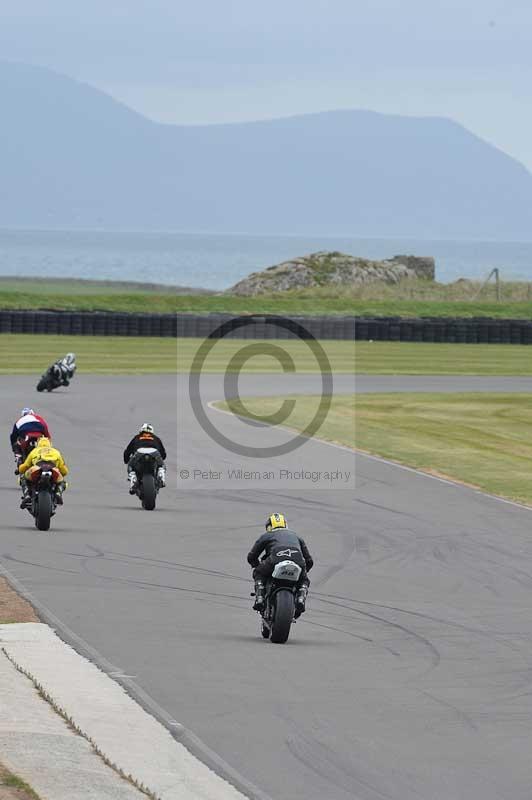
[(280, 601), (43, 489), (60, 373), (25, 443), (146, 463)]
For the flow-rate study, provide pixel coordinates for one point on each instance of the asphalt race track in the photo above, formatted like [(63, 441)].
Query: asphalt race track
[(409, 677)]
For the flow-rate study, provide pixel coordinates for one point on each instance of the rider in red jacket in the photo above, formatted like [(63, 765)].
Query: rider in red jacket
[(28, 422)]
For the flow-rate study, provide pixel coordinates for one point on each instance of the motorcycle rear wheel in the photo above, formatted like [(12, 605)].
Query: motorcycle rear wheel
[(283, 615), (43, 511), (149, 492)]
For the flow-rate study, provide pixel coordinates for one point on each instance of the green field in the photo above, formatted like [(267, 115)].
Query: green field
[(442, 308), (480, 439), (338, 427), (27, 353), (484, 440), (71, 295), (462, 298), (409, 298), (423, 358)]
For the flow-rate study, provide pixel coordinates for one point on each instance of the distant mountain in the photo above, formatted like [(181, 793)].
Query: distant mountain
[(71, 156)]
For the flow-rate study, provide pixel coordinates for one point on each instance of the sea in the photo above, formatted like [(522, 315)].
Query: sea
[(213, 261)]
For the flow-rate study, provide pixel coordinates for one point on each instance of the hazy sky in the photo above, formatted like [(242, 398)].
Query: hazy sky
[(228, 60)]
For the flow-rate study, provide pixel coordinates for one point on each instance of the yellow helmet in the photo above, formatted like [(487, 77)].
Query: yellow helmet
[(275, 521), (43, 442)]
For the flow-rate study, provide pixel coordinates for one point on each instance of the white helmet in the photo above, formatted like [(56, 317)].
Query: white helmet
[(146, 428)]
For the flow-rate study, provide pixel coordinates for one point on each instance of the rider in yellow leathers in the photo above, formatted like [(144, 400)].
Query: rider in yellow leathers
[(42, 452)]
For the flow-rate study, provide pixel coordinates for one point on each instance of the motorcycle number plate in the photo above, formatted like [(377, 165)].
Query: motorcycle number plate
[(147, 451), (287, 571)]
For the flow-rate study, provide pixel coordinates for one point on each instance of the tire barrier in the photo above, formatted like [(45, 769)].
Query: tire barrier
[(479, 330), (88, 323)]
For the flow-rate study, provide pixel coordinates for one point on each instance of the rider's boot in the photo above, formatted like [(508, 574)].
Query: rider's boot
[(259, 595), (59, 489), (301, 600), (26, 496), (161, 476), (132, 478)]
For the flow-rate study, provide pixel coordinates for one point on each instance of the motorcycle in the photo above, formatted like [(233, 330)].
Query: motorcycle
[(60, 373), (26, 443), (280, 601), (43, 488), (146, 465)]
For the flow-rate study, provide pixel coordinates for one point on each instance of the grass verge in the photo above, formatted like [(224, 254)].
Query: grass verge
[(409, 298), (479, 439), (338, 427), (28, 353), (483, 440), (14, 788), (65, 297), (424, 358)]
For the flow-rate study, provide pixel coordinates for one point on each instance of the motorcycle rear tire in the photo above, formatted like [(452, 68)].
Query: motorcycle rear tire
[(149, 492), (282, 616), (43, 512)]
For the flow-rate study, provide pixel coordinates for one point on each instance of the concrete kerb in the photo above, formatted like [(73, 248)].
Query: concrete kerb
[(195, 746), (71, 722), (42, 748)]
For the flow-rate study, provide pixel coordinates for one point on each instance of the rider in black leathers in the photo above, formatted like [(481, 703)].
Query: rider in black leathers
[(278, 544), (145, 438)]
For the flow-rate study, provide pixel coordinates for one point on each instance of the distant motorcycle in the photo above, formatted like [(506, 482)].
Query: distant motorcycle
[(280, 601), (43, 488), (146, 464), (60, 373)]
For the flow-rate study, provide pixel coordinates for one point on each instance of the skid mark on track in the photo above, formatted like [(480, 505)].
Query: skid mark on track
[(173, 566), (338, 630), (168, 586), (395, 511), (14, 560), (434, 652), (464, 718), (330, 767), (497, 636), (348, 549), (521, 648)]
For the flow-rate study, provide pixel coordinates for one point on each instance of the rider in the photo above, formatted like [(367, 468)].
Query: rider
[(144, 438), (42, 452), (28, 422), (278, 544), (63, 369)]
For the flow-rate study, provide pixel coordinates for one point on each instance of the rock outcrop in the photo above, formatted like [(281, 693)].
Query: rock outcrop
[(333, 269)]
